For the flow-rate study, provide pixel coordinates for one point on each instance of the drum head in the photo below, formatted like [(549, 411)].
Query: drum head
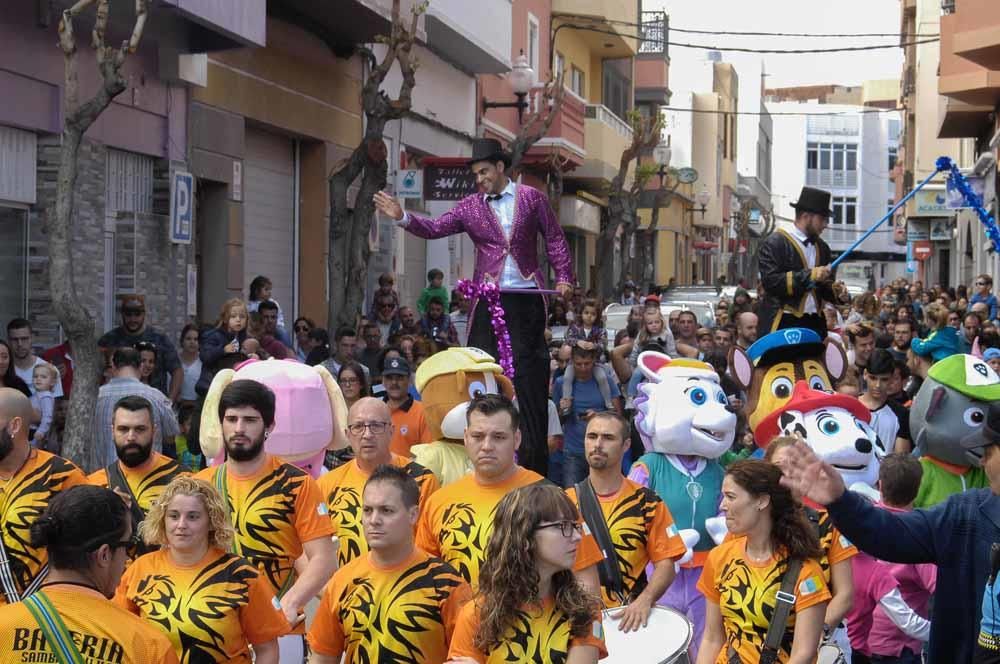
[(664, 639)]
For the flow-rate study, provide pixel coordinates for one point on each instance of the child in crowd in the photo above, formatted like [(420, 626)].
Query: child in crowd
[(260, 290), (187, 458), (44, 378), (588, 333), (435, 288)]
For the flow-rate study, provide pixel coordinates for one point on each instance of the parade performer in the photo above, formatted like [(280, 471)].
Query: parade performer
[(685, 422), (795, 268), (447, 382), (504, 221), (947, 421), (311, 412), (768, 370), (837, 428)]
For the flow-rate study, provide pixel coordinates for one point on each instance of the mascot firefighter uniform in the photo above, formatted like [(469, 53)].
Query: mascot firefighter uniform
[(447, 382), (685, 422)]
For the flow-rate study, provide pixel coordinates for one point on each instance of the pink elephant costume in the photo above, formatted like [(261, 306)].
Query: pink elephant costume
[(310, 412)]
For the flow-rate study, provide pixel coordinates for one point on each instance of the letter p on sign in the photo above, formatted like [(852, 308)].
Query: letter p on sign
[(181, 207)]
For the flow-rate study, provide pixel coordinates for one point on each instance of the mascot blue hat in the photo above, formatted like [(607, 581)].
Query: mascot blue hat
[(796, 340)]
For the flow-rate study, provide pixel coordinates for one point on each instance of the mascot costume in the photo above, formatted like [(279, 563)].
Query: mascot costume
[(948, 422), (447, 381), (769, 369), (836, 427), (310, 413), (685, 423)]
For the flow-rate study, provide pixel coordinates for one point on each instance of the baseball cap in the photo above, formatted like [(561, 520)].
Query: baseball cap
[(396, 366), (991, 354), (133, 303)]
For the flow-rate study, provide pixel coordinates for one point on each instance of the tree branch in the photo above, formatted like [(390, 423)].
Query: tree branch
[(540, 121)]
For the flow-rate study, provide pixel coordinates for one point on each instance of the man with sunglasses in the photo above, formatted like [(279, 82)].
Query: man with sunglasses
[(369, 430), (134, 330), (983, 286)]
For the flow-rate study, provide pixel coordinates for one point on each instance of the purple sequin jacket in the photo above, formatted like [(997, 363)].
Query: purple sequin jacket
[(532, 216)]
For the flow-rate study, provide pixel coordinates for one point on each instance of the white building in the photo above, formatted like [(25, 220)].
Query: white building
[(848, 152)]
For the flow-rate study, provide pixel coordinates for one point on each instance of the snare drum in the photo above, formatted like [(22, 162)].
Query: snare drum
[(664, 640)]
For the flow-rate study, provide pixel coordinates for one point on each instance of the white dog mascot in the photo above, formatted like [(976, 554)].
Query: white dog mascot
[(685, 422), (836, 427)]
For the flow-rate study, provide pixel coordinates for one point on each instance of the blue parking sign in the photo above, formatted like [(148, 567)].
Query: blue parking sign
[(181, 207)]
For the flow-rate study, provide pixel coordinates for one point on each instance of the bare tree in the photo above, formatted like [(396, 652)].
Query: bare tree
[(350, 222), (538, 123), (76, 321), (623, 200)]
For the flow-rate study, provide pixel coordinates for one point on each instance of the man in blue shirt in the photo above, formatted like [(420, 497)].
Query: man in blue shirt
[(983, 284), (577, 411)]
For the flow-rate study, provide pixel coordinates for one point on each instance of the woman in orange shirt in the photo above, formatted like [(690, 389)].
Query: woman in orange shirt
[(211, 604), (742, 576), (529, 607)]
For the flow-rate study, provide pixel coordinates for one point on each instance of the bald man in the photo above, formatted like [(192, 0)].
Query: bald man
[(746, 329), (29, 479), (369, 430)]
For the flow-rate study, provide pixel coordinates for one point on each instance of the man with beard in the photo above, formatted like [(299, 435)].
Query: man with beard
[(139, 475), (276, 508), (408, 321), (369, 430), (125, 382), (133, 330), (638, 523), (29, 479)]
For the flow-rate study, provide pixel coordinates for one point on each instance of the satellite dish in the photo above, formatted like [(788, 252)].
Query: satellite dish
[(687, 175)]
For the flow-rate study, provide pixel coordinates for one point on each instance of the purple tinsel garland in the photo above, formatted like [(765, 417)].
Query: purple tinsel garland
[(490, 293)]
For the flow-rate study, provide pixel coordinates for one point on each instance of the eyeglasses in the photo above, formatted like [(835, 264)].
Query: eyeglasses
[(385, 306), (350, 381), (145, 345), (358, 429), (567, 528), (981, 283)]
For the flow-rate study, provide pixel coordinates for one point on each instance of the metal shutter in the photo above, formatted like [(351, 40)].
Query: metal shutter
[(269, 215)]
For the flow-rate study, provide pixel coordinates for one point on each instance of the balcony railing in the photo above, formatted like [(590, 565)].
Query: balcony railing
[(603, 113), (839, 179), (655, 33)]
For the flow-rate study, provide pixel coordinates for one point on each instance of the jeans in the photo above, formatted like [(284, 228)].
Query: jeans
[(575, 468), (905, 657)]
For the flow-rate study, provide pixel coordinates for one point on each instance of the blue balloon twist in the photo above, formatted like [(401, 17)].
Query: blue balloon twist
[(972, 199)]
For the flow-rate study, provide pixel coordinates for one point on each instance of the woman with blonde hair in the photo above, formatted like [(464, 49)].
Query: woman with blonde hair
[(529, 606), (225, 340), (213, 605)]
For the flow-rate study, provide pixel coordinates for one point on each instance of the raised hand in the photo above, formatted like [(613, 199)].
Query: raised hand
[(388, 205), (803, 472)]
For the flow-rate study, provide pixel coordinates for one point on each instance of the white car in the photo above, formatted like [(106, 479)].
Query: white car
[(616, 315)]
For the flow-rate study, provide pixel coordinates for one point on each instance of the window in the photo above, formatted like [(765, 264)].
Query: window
[(576, 82), (560, 65), (617, 77), (13, 262), (890, 205), (533, 47), (893, 154), (832, 164), (845, 210)]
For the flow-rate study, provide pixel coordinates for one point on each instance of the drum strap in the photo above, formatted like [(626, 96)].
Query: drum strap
[(607, 568), (116, 480), (779, 619)]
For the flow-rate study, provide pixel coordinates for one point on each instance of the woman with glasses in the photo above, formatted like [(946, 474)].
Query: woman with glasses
[(86, 530), (302, 327), (529, 607), (352, 382), (212, 605)]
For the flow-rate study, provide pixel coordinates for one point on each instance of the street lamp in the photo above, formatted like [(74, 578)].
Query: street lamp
[(702, 197), (661, 155), (522, 77)]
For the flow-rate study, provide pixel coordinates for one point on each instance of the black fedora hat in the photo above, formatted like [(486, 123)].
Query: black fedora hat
[(813, 200), (488, 149)]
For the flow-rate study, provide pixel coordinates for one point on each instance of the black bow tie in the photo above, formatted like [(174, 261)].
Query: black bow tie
[(808, 241), (494, 197)]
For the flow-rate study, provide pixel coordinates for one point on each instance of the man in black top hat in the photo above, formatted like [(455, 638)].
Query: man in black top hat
[(504, 220), (795, 269)]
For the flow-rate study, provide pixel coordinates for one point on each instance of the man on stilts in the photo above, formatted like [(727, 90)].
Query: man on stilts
[(795, 269), (504, 221)]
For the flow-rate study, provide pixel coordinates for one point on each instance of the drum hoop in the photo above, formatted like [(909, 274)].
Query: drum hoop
[(667, 609)]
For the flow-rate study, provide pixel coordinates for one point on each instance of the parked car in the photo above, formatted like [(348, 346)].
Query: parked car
[(616, 315)]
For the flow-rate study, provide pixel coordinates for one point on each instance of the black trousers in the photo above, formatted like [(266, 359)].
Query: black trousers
[(525, 316), (815, 322)]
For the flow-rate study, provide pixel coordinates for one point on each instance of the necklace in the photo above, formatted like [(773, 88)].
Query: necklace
[(18, 469)]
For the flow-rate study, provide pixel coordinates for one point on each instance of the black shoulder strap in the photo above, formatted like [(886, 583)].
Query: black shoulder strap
[(116, 480), (607, 569), (782, 609)]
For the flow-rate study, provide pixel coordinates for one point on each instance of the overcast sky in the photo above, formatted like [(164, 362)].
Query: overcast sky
[(813, 16)]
